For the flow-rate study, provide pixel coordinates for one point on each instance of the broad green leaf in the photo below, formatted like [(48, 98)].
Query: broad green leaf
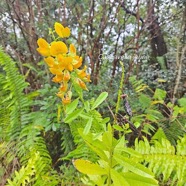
[(133, 166), (117, 127), (182, 102), (73, 115), (88, 126), (85, 115), (87, 105), (159, 135), (118, 179), (159, 94), (99, 100), (108, 140), (137, 180), (87, 167), (72, 106), (96, 145), (121, 147)]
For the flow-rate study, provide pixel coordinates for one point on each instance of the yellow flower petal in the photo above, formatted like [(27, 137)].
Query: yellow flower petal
[(87, 78), (55, 71), (82, 73), (50, 61), (66, 101), (63, 87), (77, 62), (67, 98), (66, 32), (58, 28), (44, 47), (60, 94), (69, 67), (81, 84), (65, 62), (42, 43), (61, 31), (58, 78), (44, 52), (72, 49), (66, 75), (58, 47)]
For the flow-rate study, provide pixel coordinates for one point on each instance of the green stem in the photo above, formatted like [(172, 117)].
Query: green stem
[(120, 90)]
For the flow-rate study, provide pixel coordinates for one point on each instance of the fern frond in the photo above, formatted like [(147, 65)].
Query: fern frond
[(16, 102), (31, 173), (164, 159), (25, 140)]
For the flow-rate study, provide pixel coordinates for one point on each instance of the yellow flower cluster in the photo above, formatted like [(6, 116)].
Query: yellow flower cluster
[(62, 61)]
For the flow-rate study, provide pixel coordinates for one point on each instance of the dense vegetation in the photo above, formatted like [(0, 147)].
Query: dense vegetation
[(100, 100)]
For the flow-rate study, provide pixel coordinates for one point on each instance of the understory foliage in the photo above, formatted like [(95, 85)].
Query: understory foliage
[(24, 156), (46, 141)]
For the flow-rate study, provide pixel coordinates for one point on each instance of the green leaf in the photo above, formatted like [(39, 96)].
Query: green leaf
[(133, 166), (119, 128), (182, 102), (88, 126), (99, 100), (72, 106), (87, 167), (118, 178), (159, 135), (73, 115), (159, 94), (144, 100), (135, 179), (87, 106)]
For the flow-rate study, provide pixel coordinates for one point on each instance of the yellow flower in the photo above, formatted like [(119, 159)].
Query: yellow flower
[(44, 47), (60, 94), (77, 62), (58, 47), (58, 78), (55, 71), (66, 76), (50, 61), (61, 30), (82, 73), (65, 62), (72, 49), (81, 84), (63, 87), (87, 78), (67, 98)]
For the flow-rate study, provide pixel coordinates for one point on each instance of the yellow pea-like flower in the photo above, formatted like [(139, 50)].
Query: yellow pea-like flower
[(82, 73), (72, 49), (58, 78), (65, 62), (66, 76), (67, 98), (81, 84), (63, 87), (58, 47), (50, 61), (55, 71), (77, 62), (44, 47), (61, 30)]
